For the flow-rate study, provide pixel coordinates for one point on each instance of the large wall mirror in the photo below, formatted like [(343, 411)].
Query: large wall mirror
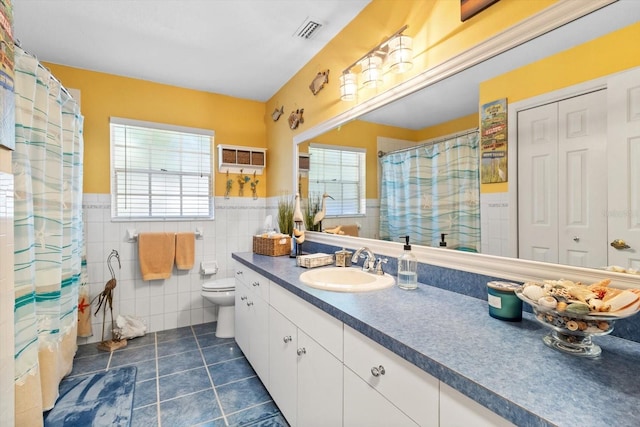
[(450, 105)]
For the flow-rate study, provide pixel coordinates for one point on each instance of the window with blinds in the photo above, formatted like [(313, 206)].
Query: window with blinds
[(160, 171), (339, 172)]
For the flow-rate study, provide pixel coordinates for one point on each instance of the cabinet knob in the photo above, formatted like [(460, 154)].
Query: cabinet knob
[(256, 283), (243, 298), (239, 272), (287, 339), (249, 303), (302, 351), (376, 371)]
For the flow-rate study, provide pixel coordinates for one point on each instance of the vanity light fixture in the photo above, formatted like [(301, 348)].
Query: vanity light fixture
[(371, 71), (400, 56), (348, 86), (395, 52)]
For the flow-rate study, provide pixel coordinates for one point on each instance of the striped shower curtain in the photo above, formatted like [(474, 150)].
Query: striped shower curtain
[(432, 189), (48, 235)]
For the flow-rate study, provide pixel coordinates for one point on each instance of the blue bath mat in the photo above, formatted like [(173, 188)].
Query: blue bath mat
[(101, 399)]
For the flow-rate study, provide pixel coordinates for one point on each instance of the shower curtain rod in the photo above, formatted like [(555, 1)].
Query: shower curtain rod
[(16, 42), (429, 143)]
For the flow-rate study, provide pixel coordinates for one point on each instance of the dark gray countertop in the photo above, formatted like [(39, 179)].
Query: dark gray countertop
[(504, 366)]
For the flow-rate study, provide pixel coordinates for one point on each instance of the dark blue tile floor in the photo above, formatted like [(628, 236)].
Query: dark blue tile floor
[(187, 377)]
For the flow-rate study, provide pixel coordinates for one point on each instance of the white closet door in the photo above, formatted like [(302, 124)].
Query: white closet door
[(624, 165), (562, 181), (582, 180), (537, 183)]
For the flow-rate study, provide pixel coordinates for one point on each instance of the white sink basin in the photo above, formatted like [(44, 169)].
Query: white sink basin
[(341, 279)]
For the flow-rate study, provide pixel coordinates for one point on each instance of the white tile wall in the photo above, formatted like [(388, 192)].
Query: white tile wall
[(494, 223), (174, 302), (6, 300)]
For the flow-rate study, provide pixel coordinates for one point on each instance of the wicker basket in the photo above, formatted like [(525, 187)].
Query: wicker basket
[(272, 246)]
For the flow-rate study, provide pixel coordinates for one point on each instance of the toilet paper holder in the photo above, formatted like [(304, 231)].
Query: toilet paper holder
[(208, 268)]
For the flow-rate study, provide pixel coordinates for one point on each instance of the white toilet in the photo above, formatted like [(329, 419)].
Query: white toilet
[(222, 293)]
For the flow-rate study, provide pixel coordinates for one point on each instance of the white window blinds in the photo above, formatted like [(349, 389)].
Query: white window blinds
[(160, 171), (339, 172)]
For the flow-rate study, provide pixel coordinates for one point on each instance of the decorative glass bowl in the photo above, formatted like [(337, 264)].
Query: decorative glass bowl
[(571, 332)]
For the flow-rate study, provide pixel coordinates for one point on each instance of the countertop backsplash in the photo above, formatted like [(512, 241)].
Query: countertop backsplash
[(470, 284)]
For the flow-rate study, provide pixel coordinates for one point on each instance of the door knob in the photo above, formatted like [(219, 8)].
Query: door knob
[(620, 244)]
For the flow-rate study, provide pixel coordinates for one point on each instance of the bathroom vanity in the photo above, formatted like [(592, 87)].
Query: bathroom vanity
[(427, 357)]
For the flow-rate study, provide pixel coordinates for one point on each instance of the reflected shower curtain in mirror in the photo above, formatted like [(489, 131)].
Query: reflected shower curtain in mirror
[(431, 189), (48, 235)]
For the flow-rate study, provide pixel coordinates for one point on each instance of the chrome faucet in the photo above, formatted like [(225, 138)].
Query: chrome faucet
[(379, 262), (369, 259)]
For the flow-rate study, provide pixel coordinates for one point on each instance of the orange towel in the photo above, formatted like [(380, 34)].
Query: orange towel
[(156, 252), (185, 250), (350, 229)]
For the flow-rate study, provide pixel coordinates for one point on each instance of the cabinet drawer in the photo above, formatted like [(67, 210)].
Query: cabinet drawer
[(408, 387), (326, 330), (254, 281)]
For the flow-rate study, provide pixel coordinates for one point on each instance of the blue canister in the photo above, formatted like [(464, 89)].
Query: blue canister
[(503, 302)]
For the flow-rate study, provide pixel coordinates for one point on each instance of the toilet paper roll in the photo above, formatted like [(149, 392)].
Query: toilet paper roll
[(209, 267)]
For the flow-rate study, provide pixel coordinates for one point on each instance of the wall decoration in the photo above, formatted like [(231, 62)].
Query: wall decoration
[(242, 180), (254, 187), (319, 81), (493, 142), (229, 184), (295, 118), (469, 8), (277, 113)]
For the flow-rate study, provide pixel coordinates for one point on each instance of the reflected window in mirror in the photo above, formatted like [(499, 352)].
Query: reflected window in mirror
[(340, 173)]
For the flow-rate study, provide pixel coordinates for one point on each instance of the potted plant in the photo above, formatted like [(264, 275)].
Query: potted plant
[(285, 214)]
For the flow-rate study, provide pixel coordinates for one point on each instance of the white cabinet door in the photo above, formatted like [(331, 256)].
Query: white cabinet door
[(364, 406), (319, 385), (242, 321), (252, 326), (405, 385), (283, 375), (259, 338), (457, 410)]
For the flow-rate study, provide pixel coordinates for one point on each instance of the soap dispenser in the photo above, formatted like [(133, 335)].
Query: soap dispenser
[(407, 267)]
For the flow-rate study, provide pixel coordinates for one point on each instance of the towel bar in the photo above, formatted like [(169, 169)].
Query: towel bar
[(132, 234)]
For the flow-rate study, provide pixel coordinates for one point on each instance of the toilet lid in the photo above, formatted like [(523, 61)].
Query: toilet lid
[(228, 284)]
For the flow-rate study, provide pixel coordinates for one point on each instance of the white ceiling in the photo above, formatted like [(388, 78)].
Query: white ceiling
[(241, 48)]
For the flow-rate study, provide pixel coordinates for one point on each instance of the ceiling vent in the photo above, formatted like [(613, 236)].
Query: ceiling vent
[(308, 29)]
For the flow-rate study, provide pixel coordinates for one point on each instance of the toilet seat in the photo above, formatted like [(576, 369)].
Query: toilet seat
[(222, 285)]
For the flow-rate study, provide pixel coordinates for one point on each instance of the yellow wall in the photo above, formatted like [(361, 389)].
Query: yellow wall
[(612, 53), (365, 135), (235, 121), (438, 35), (447, 128)]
